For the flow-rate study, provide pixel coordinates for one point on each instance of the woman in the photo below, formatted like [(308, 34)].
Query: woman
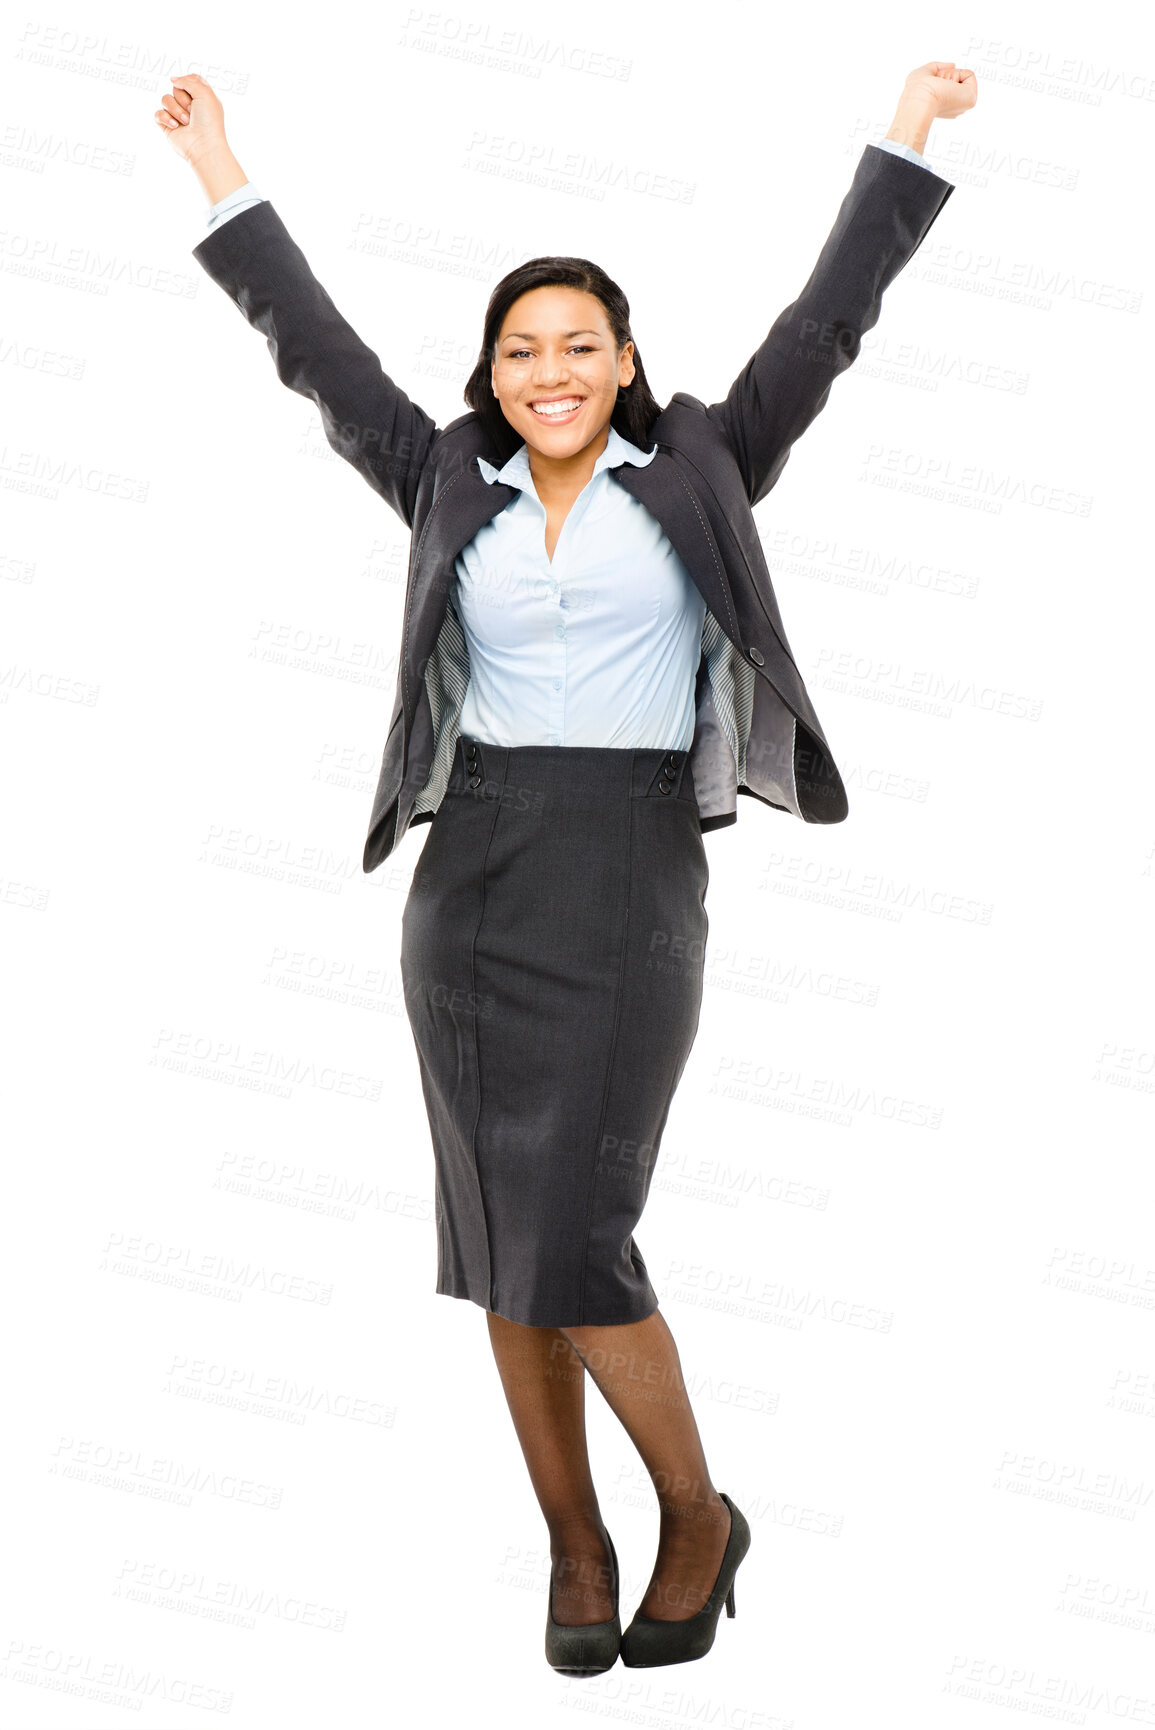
[(554, 933)]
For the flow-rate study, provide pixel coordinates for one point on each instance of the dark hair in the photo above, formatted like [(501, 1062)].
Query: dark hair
[(635, 409)]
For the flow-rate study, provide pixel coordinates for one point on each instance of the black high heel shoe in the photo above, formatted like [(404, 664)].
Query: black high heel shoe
[(586, 1648), (648, 1641)]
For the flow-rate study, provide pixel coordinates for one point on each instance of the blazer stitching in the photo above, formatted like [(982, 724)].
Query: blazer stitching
[(745, 560), (710, 544), (793, 760)]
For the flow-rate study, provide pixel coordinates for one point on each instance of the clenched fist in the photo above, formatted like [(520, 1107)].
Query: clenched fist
[(192, 116), (949, 89)]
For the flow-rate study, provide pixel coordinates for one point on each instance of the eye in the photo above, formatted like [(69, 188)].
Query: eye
[(577, 348)]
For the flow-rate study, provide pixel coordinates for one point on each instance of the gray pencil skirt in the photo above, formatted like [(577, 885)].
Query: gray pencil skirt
[(552, 953)]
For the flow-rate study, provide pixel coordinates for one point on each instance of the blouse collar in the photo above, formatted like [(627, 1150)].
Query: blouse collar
[(516, 472)]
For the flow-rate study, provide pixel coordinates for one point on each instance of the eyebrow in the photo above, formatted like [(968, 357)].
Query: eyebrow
[(528, 335)]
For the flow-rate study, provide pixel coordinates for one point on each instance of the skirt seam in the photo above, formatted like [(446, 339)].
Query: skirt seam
[(477, 1056), (610, 1059)]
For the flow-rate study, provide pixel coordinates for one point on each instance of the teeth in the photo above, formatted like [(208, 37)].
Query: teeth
[(555, 409)]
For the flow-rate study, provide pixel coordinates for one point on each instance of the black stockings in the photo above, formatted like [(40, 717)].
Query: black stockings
[(637, 1369)]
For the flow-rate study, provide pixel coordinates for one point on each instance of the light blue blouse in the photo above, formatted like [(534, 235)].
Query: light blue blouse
[(599, 647), (602, 646)]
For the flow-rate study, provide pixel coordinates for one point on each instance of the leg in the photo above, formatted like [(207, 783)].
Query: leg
[(638, 1370), (544, 1384)]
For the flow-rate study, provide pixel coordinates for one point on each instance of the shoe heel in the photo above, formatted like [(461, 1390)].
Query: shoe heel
[(648, 1642)]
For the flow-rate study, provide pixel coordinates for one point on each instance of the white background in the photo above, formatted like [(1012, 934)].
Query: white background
[(901, 1223)]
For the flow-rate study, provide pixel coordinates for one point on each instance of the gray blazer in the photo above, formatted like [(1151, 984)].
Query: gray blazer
[(756, 731)]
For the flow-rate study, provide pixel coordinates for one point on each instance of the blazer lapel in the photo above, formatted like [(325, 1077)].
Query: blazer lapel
[(464, 505), (665, 492)]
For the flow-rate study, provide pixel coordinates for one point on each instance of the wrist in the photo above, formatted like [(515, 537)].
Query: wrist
[(912, 122), (217, 169)]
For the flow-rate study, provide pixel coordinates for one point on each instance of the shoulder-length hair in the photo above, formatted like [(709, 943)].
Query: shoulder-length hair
[(635, 409)]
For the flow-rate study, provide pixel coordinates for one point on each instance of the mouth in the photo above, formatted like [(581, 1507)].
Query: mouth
[(560, 411)]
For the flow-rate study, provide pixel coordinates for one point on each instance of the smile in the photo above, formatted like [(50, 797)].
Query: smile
[(559, 412)]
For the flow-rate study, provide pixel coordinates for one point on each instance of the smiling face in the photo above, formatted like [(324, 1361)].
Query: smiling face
[(558, 370)]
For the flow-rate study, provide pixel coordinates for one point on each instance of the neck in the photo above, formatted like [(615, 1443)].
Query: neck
[(562, 476)]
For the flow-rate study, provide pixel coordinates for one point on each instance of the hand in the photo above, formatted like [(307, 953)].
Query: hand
[(942, 88), (193, 117)]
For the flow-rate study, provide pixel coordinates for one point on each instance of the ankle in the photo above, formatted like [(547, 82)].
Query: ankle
[(578, 1539), (693, 1514), (577, 1574)]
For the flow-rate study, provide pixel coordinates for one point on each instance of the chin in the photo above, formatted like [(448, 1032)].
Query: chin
[(562, 440)]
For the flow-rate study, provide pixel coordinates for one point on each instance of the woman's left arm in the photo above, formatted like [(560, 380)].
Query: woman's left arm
[(883, 221)]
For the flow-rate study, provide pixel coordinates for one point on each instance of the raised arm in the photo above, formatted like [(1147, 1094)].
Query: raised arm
[(367, 418), (892, 203)]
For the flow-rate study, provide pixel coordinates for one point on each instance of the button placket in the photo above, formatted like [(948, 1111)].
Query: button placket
[(555, 700)]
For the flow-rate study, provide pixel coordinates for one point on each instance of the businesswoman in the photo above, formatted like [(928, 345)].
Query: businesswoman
[(554, 935)]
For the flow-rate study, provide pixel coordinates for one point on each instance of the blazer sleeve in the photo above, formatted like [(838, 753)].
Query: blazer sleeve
[(883, 220), (367, 418)]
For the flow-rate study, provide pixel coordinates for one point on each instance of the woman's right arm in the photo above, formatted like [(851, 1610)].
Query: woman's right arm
[(367, 418)]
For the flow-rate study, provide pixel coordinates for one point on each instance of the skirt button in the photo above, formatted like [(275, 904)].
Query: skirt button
[(663, 786), (475, 781)]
